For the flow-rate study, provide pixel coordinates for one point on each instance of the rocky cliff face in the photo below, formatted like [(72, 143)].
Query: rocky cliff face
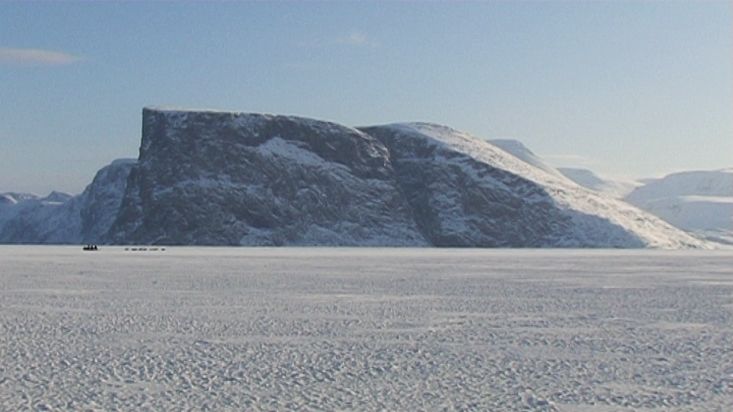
[(100, 202), (215, 178), (458, 200), (212, 178)]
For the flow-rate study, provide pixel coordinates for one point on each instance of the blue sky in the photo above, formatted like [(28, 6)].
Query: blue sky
[(625, 88)]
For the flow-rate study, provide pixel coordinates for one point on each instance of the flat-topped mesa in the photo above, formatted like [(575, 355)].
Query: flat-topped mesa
[(157, 122), (225, 178), (188, 132), (238, 178)]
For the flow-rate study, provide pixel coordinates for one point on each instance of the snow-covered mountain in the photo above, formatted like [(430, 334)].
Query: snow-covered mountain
[(691, 183), (222, 178), (697, 201), (12, 198), (584, 177), (62, 218), (100, 202), (587, 178), (464, 191), (217, 178), (522, 152)]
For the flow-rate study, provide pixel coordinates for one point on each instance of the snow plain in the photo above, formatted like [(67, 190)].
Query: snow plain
[(365, 329)]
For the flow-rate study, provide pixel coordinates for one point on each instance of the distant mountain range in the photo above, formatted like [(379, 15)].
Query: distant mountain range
[(612, 187), (61, 218), (223, 178), (698, 201)]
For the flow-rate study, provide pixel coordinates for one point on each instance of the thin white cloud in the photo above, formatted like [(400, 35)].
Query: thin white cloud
[(35, 57), (357, 39)]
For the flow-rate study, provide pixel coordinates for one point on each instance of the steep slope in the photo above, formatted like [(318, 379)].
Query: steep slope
[(62, 218), (698, 201), (100, 202), (9, 207), (587, 178), (522, 152), (14, 197), (215, 178), (222, 178), (38, 221), (6, 200), (466, 192)]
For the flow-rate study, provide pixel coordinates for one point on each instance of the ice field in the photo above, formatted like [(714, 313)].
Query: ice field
[(365, 329)]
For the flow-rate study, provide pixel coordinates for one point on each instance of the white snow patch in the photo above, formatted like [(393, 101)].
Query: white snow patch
[(291, 150)]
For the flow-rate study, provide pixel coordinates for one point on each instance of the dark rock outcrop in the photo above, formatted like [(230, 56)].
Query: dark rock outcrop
[(211, 178)]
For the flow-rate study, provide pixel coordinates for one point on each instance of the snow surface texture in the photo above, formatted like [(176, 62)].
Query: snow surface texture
[(586, 178), (365, 329), (700, 201)]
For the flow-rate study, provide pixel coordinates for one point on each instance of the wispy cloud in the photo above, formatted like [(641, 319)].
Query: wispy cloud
[(357, 39), (35, 57)]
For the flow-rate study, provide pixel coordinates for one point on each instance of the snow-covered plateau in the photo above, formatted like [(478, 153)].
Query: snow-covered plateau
[(365, 329)]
